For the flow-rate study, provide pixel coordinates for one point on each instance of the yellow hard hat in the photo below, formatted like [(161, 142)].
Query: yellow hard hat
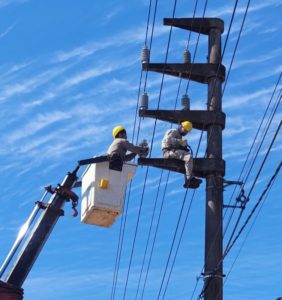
[(117, 130), (187, 125)]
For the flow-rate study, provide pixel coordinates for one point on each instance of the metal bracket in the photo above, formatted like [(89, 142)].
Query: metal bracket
[(200, 119), (230, 182), (212, 275), (44, 205), (242, 199)]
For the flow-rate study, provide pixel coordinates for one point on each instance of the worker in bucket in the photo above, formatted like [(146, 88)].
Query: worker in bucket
[(174, 146), (120, 146)]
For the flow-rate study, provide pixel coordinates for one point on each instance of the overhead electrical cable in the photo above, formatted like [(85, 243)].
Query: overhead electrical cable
[(149, 234), (262, 197), (122, 225), (120, 244), (229, 30), (152, 142), (183, 227), (197, 43), (236, 46), (261, 143), (266, 130), (231, 242), (183, 200), (250, 150), (154, 238), (177, 96)]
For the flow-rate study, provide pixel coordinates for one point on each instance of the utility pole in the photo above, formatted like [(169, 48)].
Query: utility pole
[(214, 182), (212, 120)]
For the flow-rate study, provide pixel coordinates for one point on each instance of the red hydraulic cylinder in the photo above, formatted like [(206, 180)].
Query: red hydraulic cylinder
[(10, 292)]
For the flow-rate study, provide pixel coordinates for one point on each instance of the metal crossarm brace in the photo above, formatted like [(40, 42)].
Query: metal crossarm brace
[(202, 167), (200, 25), (200, 119), (197, 72)]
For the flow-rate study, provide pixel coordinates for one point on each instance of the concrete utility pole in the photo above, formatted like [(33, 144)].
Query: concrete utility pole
[(214, 182), (212, 167)]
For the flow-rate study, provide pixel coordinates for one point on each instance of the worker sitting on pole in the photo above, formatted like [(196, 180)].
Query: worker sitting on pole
[(174, 146), (120, 145)]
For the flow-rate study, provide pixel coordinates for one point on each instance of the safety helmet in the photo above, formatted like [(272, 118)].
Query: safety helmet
[(117, 130), (187, 125)]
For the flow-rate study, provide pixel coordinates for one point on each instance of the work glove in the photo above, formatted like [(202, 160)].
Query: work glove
[(144, 152), (183, 143)]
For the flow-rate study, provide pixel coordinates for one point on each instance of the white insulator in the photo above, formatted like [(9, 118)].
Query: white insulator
[(145, 55), (143, 101), (185, 102), (187, 56)]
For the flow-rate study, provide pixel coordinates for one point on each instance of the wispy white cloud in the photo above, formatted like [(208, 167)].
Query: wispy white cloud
[(258, 59), (125, 38), (114, 12), (228, 9), (41, 121), (6, 31), (4, 3), (83, 76), (29, 85), (243, 99)]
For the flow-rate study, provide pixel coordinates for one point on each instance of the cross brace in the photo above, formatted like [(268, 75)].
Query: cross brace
[(200, 119), (201, 25), (198, 72), (202, 167)]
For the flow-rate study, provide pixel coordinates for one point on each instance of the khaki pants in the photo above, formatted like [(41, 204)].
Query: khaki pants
[(182, 155)]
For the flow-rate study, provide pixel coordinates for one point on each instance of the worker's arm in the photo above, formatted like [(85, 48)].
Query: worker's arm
[(130, 156), (172, 140), (135, 149)]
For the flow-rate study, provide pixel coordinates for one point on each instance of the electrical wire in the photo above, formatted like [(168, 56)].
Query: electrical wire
[(262, 140), (252, 146), (236, 46), (120, 244), (177, 96), (152, 141), (231, 244), (154, 238), (149, 234), (263, 195), (122, 226)]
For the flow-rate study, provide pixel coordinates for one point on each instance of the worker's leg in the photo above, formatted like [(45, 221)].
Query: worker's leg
[(183, 155), (188, 162)]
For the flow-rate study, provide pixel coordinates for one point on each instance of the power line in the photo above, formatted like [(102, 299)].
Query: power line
[(253, 143), (263, 195), (231, 242), (228, 248), (152, 142), (122, 226), (154, 238), (262, 140), (236, 46), (149, 234)]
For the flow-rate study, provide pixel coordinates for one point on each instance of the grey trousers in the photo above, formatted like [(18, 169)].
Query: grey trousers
[(182, 155)]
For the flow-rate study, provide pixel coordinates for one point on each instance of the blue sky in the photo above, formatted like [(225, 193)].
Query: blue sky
[(70, 72)]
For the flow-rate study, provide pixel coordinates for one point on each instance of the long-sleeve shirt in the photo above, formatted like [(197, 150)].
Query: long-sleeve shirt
[(120, 146), (172, 140)]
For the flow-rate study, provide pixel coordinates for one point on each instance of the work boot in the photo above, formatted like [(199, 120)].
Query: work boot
[(192, 183)]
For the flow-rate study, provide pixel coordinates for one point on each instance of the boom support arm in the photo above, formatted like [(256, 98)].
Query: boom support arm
[(40, 234)]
